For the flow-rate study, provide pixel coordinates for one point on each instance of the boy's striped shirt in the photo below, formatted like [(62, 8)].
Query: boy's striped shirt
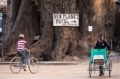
[(21, 44)]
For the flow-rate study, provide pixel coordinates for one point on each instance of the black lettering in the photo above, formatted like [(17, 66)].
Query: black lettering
[(64, 16), (65, 21), (72, 16), (57, 21), (55, 16), (60, 16), (78, 16)]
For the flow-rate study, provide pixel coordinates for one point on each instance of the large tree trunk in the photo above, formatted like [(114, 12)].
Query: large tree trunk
[(13, 9), (57, 42), (101, 15), (27, 22), (66, 38)]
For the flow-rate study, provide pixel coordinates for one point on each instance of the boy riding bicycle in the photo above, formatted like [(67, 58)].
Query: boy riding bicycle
[(20, 49)]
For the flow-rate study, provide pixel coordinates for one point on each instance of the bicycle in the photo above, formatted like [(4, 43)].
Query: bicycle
[(31, 61)]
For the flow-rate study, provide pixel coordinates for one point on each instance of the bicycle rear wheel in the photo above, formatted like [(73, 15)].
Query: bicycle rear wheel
[(15, 65), (33, 65)]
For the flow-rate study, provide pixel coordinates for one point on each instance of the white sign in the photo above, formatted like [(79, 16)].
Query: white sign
[(65, 19), (90, 28), (0, 29)]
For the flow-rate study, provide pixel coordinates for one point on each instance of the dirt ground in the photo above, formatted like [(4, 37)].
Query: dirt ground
[(59, 72), (63, 71)]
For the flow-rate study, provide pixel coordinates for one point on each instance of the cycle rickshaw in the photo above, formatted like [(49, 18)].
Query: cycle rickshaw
[(99, 57)]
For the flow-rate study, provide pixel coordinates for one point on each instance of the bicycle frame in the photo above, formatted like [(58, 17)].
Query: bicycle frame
[(28, 57)]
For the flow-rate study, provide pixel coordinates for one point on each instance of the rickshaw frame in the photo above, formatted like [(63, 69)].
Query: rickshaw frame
[(106, 62)]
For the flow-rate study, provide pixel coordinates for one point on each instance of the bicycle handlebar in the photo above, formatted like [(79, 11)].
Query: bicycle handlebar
[(27, 50)]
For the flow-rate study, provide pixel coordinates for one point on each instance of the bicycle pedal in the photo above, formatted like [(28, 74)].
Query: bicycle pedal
[(25, 70)]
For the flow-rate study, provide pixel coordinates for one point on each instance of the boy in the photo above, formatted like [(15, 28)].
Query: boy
[(101, 44), (20, 49)]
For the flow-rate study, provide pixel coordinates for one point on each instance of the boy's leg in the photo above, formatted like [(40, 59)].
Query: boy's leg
[(20, 53), (23, 58), (101, 70)]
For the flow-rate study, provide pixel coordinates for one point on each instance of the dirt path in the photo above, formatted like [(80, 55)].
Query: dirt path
[(62, 71), (59, 72)]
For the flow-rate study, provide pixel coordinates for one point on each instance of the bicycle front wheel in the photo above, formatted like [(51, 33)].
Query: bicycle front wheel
[(33, 65), (15, 65)]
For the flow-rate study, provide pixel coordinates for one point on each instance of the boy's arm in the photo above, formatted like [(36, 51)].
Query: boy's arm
[(28, 46), (96, 45), (108, 46)]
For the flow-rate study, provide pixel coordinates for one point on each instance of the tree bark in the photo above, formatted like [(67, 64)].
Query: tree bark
[(13, 9), (36, 17), (27, 23)]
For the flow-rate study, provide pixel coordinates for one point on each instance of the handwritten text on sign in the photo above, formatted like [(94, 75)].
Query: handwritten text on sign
[(65, 19)]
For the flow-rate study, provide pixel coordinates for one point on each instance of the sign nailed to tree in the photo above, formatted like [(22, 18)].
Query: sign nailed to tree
[(65, 19)]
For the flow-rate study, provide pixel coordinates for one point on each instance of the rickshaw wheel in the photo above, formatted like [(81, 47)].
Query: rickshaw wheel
[(110, 68), (90, 69)]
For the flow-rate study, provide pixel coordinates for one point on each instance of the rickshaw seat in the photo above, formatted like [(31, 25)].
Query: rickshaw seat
[(98, 53)]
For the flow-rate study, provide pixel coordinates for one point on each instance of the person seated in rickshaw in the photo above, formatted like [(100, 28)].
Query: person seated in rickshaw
[(101, 44)]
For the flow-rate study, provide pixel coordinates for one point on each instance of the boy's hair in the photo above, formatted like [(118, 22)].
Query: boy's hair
[(21, 37), (100, 35)]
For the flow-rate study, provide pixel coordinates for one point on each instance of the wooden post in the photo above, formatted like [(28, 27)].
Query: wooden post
[(3, 27), (111, 44)]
